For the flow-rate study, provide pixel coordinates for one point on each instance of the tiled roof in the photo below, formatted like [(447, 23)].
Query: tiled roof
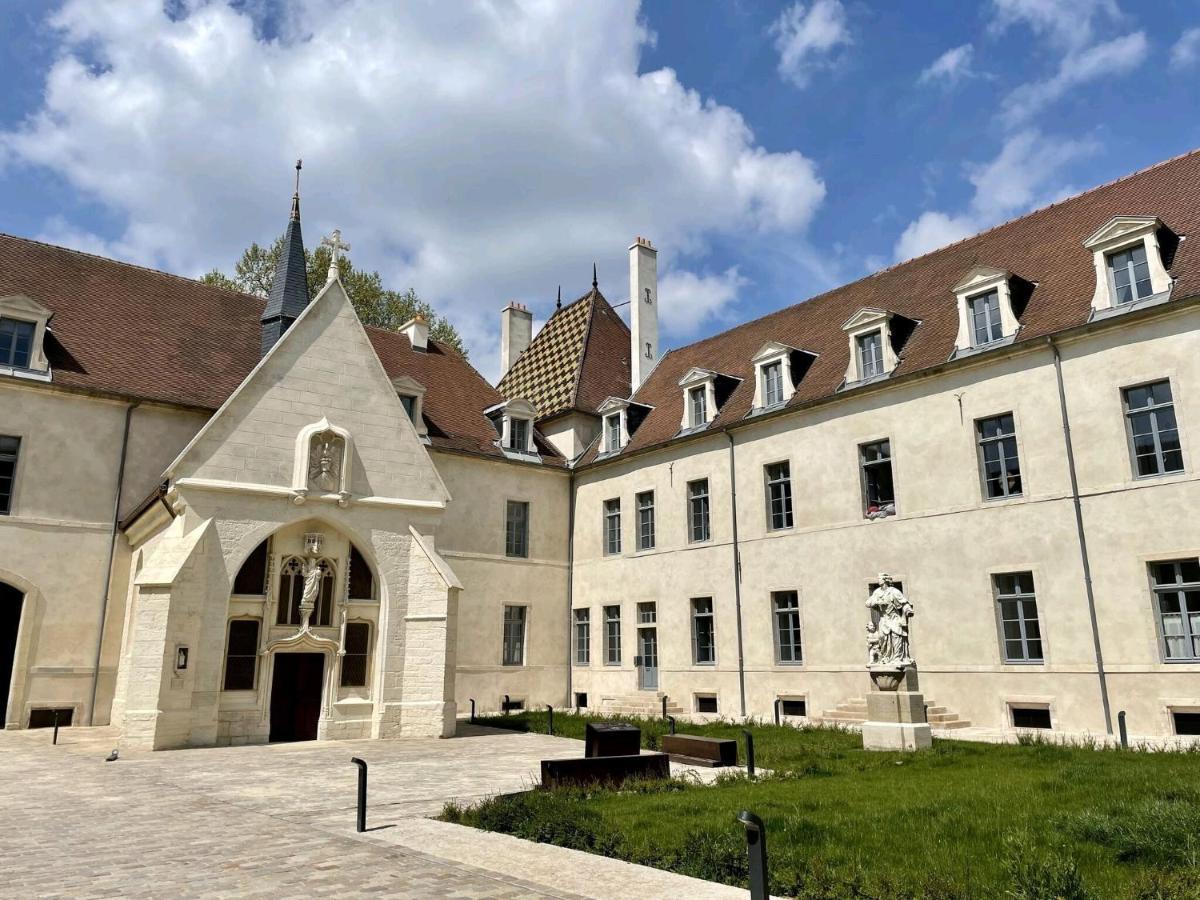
[(132, 332), (578, 358), (1044, 248)]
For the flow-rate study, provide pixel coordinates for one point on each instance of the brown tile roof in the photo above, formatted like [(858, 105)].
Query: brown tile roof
[(127, 331), (1044, 247), (579, 358)]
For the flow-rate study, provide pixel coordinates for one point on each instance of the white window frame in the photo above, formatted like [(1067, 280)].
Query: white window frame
[(697, 379), (25, 309), (861, 324), (769, 354), (511, 410), (1123, 233), (613, 406), (979, 282)]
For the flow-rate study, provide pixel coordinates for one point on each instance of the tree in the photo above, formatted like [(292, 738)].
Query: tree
[(375, 304)]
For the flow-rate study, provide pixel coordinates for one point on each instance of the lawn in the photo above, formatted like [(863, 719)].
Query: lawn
[(961, 820)]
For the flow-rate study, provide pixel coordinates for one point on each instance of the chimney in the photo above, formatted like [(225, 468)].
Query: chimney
[(643, 310), (516, 333), (416, 330)]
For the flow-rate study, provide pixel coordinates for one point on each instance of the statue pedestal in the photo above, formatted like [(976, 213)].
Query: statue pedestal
[(895, 718)]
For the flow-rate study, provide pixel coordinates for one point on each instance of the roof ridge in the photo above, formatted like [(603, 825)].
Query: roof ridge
[(129, 265), (587, 333)]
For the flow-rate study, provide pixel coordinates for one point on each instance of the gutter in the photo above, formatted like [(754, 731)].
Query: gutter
[(1081, 534), (737, 574), (570, 588), (108, 569)]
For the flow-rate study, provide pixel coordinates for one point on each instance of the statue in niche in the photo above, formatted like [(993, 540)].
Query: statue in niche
[(313, 572), (887, 639), (325, 462)]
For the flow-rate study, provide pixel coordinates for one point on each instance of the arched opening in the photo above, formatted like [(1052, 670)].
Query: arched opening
[(291, 591), (11, 601)]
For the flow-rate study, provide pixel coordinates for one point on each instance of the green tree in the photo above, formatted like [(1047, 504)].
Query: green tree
[(375, 304)]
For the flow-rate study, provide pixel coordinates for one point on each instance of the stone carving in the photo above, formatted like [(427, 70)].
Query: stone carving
[(325, 462), (887, 639)]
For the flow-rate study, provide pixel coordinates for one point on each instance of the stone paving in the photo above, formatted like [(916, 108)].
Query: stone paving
[(278, 821)]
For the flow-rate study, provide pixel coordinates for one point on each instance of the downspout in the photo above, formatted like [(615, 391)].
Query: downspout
[(568, 700), (737, 574), (108, 569), (1082, 536)]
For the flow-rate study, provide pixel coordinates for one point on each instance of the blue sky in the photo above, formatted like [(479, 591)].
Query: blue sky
[(488, 151)]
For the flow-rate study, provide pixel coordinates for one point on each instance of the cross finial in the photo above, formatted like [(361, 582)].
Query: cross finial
[(336, 245), (595, 281), (296, 194)]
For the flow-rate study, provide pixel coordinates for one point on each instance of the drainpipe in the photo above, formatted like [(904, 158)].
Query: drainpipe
[(1082, 536), (570, 700), (108, 569), (737, 574)]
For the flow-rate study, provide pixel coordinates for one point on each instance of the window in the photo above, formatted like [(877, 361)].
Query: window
[(9, 448), (49, 716), (252, 576), (1153, 432), (516, 529), (697, 406), (518, 434), (772, 386), (514, 636), (612, 526), (1031, 717), (581, 700), (583, 637), (985, 318), (241, 657), (1020, 632), (16, 342), (291, 592), (612, 635), (698, 524), (870, 354), (779, 495), (354, 663), (362, 582), (1186, 722), (410, 406), (1177, 597), (879, 493), (612, 430), (645, 512), (706, 703), (1130, 274), (704, 642), (786, 606), (998, 456), (793, 707)]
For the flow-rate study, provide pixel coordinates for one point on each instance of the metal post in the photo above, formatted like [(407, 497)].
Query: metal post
[(1123, 730), (778, 701), (749, 752), (361, 825), (550, 719), (506, 702), (756, 851), (54, 740), (472, 710), (671, 723), (664, 706)]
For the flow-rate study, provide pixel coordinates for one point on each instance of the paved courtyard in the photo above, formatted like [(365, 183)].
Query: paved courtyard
[(278, 821)]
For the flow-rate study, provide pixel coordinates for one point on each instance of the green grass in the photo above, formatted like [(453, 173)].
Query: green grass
[(961, 820)]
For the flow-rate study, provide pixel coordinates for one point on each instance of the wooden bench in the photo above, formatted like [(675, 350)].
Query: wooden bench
[(701, 751), (608, 770)]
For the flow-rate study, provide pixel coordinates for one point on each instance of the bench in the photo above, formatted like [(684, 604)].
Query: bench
[(607, 770), (701, 751), (612, 739)]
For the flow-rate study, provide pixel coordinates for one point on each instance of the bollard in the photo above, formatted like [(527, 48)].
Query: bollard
[(671, 723), (361, 825), (756, 851), (749, 752), (1124, 731), (506, 702), (54, 740), (472, 710), (550, 719), (664, 705), (778, 701)]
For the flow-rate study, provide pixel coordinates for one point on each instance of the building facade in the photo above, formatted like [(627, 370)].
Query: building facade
[(231, 521)]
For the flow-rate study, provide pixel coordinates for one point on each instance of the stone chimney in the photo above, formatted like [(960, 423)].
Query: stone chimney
[(516, 333), (643, 310), (417, 332)]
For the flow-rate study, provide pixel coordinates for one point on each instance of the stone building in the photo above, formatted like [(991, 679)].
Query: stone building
[(224, 520)]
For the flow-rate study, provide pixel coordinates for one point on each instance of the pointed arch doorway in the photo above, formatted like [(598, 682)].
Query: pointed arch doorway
[(11, 601)]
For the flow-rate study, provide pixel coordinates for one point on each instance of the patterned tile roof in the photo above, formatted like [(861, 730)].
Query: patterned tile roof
[(577, 359)]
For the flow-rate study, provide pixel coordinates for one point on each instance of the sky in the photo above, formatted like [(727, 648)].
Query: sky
[(488, 151)]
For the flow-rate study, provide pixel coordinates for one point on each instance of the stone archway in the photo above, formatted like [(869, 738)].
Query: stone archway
[(12, 601)]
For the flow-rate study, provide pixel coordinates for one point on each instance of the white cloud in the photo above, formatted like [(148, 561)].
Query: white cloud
[(1066, 23), (1186, 52), (687, 301), (1107, 60), (951, 67), (478, 153), (806, 35), (1023, 175)]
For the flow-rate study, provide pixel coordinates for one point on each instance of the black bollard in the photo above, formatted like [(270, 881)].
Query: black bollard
[(506, 702), (1124, 731), (362, 793), (749, 752), (549, 719), (664, 705), (671, 723), (778, 701), (756, 851), (54, 740), (472, 710)]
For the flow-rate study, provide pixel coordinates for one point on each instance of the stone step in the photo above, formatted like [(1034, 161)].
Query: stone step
[(854, 712)]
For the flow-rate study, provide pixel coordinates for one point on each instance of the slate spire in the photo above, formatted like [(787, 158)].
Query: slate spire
[(289, 290)]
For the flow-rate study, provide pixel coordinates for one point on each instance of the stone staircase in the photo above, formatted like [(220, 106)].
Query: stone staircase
[(854, 712), (647, 704)]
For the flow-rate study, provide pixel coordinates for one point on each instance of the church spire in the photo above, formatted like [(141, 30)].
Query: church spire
[(289, 290)]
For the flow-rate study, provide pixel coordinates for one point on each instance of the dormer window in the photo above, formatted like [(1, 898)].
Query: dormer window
[(777, 369), (985, 318), (698, 406), (16, 342), (704, 391), (987, 314), (22, 338), (874, 335), (613, 432), (412, 397), (1127, 254), (514, 421), (870, 354), (772, 383), (518, 435), (621, 419)]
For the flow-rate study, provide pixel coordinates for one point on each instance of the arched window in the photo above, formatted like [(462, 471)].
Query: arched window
[(291, 591), (252, 577), (362, 582)]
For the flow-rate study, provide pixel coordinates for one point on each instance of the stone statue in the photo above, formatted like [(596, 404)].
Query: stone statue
[(325, 462), (887, 640), (313, 573)]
